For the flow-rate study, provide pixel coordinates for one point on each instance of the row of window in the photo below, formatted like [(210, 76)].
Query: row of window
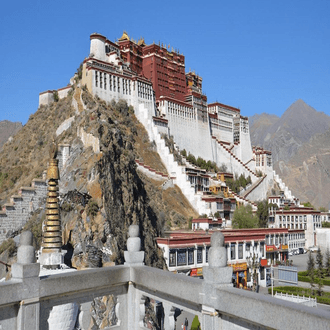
[(122, 85), (275, 240), (293, 218), (248, 248), (182, 257), (294, 226)]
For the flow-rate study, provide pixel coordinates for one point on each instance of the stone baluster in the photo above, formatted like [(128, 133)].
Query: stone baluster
[(134, 257), (216, 275), (26, 270)]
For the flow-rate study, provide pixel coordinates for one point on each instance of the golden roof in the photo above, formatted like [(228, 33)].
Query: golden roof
[(124, 36), (141, 42)]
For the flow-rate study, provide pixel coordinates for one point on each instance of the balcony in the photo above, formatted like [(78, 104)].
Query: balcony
[(126, 292)]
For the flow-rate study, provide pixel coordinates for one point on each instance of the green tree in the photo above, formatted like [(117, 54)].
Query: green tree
[(308, 204), (243, 217), (311, 270), (325, 224), (327, 262), (184, 153), (323, 209), (263, 212), (319, 262)]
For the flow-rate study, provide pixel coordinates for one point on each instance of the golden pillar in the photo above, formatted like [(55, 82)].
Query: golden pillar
[(52, 233)]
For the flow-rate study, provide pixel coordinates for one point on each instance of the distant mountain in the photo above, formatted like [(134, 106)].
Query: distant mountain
[(259, 126), (7, 129), (308, 172), (300, 144), (284, 136)]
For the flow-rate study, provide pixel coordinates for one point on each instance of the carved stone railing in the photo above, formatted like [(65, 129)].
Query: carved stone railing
[(117, 297)]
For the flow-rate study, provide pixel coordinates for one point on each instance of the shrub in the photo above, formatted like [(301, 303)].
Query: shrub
[(92, 208), (8, 245), (55, 95), (195, 324)]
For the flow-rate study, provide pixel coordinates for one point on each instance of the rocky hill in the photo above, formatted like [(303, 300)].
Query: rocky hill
[(295, 139), (308, 171), (102, 191), (8, 129)]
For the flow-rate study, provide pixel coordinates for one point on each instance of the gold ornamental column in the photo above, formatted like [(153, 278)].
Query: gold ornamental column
[(51, 254), (52, 235)]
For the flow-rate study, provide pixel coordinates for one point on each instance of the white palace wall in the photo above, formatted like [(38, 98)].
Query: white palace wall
[(192, 135)]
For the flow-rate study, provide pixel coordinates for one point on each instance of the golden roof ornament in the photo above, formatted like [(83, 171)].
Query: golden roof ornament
[(124, 36), (141, 42)]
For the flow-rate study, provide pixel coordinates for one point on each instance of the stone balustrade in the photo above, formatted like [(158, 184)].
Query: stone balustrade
[(120, 297)]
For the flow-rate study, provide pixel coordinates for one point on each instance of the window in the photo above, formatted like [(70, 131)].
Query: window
[(247, 247), (232, 252), (182, 257), (199, 255), (96, 79), (172, 258), (262, 249), (262, 273), (240, 251), (207, 253), (190, 256)]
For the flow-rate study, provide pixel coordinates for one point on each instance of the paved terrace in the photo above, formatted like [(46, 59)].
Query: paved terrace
[(29, 301)]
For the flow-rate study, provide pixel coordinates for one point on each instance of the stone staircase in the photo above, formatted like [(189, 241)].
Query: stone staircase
[(253, 186), (16, 212), (243, 200), (176, 171), (245, 168), (149, 171), (283, 187)]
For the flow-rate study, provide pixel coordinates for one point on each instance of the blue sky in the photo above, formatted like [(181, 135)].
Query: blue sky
[(260, 56)]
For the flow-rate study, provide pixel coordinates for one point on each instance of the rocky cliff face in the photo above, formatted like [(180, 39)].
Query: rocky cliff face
[(308, 171)]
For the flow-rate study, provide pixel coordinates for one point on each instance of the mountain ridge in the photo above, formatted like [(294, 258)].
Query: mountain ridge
[(298, 142)]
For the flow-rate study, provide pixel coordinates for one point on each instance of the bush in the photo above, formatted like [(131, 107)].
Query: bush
[(8, 245), (92, 208), (195, 324)]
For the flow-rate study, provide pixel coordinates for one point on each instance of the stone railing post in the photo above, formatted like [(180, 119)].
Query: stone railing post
[(133, 257), (216, 275), (26, 270)]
